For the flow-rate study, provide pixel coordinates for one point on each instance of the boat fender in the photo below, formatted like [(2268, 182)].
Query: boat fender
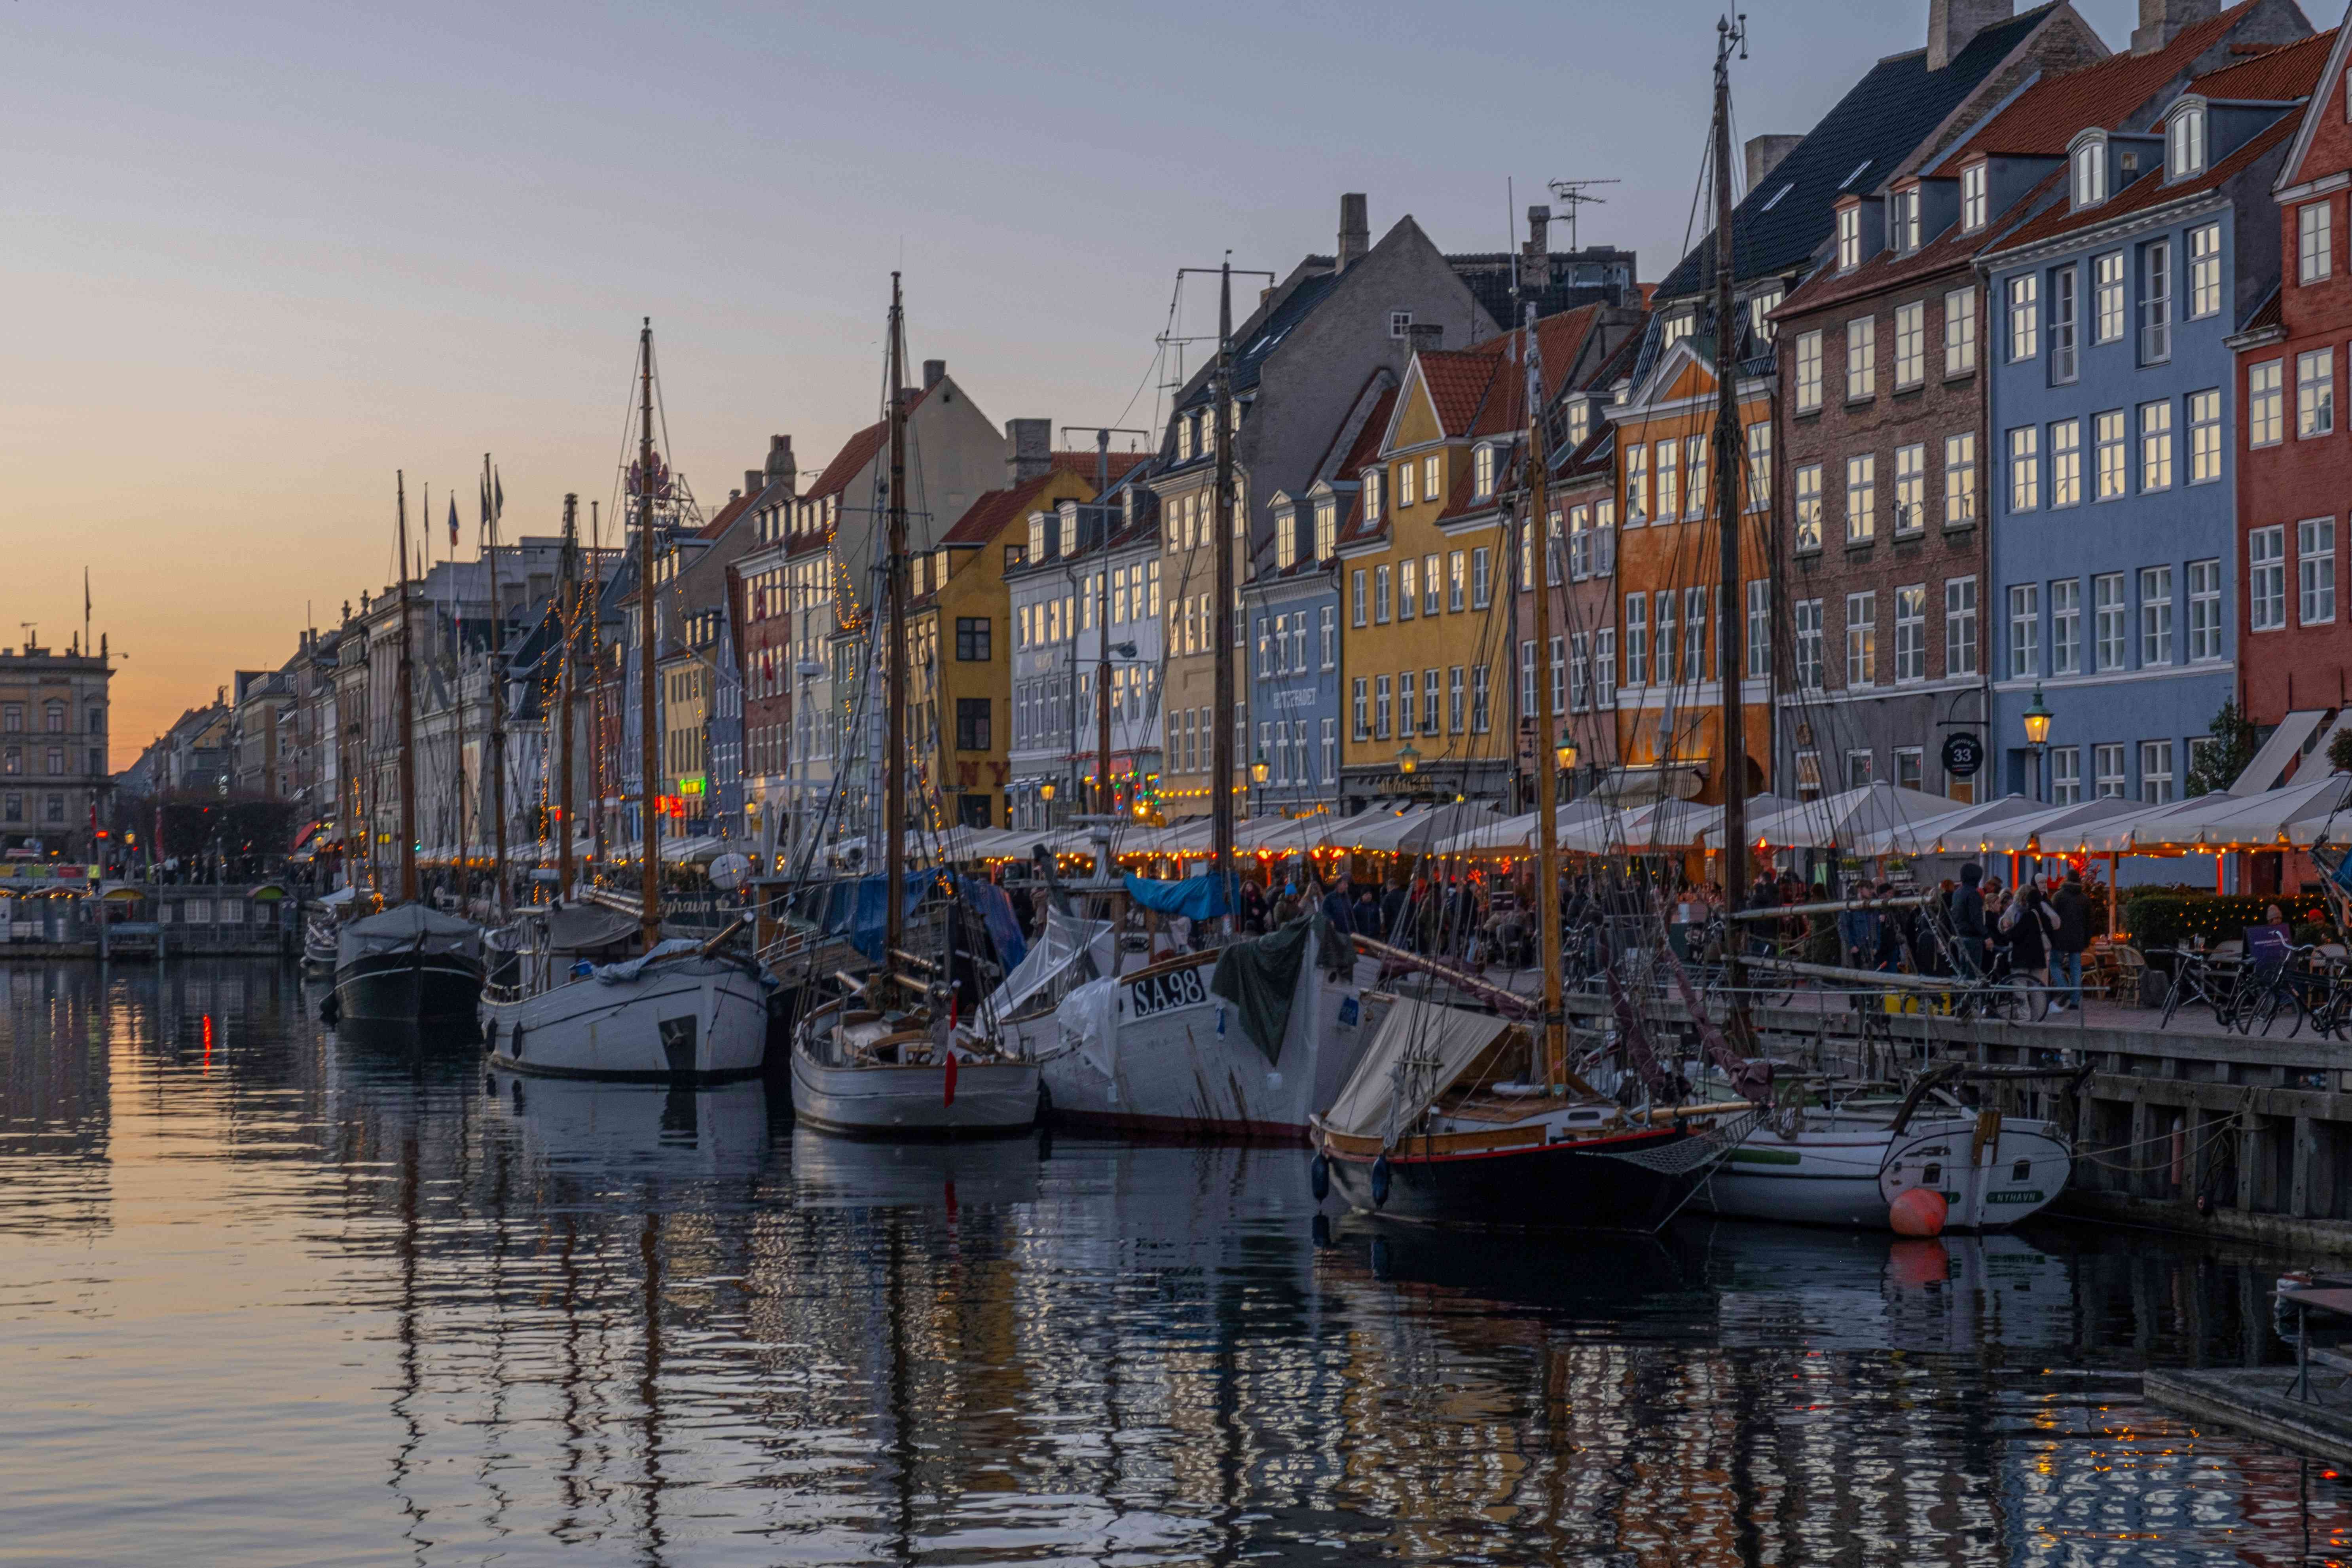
[(1321, 1229), (1319, 1177), (330, 1011), (1921, 1211), (514, 1041), (1380, 1182)]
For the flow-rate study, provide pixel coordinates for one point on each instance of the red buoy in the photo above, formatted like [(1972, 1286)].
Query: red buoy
[(1919, 1212)]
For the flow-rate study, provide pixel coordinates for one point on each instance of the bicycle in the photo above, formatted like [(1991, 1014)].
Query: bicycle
[(2264, 986), (2196, 978)]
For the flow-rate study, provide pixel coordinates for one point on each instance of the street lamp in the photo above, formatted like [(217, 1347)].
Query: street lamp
[(1257, 769), (2037, 735), (1565, 752), (1407, 758), (1046, 792)]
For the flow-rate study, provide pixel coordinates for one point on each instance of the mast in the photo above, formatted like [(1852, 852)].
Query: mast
[(456, 682), (566, 622), (1730, 618), (1221, 745), (893, 740), (649, 694), (596, 756), (1539, 520), (498, 687), (406, 697), (1104, 801)]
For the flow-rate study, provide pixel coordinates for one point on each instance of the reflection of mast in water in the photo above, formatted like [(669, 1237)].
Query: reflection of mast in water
[(575, 1431), (902, 1440), (405, 1250), (649, 1385)]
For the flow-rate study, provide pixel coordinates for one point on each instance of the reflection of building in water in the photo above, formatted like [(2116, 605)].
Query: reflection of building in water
[(54, 1093)]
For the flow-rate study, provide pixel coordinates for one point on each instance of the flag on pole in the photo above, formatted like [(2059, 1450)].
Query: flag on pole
[(85, 593), (497, 497), (453, 525)]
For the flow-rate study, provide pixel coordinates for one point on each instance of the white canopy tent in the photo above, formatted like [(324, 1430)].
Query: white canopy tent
[(1842, 820), (1954, 832)]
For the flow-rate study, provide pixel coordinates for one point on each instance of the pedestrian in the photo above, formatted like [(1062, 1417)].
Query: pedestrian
[(1858, 930), (2029, 925), (1968, 924), (2072, 935), (1393, 903)]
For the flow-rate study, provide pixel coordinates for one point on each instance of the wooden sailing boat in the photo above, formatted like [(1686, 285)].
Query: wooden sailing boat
[(410, 964), (890, 1059), (680, 1011)]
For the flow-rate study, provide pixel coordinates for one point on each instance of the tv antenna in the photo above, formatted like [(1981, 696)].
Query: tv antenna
[(1571, 193)]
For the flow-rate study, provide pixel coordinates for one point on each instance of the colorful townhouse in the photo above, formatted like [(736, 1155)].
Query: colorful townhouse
[(2294, 452), (1881, 378), (2114, 550)]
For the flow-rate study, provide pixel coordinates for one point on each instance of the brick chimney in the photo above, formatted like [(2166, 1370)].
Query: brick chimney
[(2161, 21), (1952, 23), (1764, 155), (754, 480), (1425, 337), (935, 371), (781, 470), (1355, 230), (1534, 255), (1032, 444)]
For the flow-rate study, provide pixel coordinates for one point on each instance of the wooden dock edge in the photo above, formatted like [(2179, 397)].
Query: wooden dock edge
[(2238, 1399)]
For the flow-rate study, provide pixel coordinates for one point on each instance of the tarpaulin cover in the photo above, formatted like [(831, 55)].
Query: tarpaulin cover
[(406, 927), (1194, 898), (1260, 978), (1420, 1049), (1065, 939), (996, 914)]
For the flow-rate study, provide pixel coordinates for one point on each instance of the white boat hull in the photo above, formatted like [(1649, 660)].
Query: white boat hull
[(987, 1096), (690, 1020), (1849, 1170)]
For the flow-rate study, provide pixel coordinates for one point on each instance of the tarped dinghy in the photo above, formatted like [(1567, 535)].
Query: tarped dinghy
[(409, 965), (1445, 1119), (1244, 1042)]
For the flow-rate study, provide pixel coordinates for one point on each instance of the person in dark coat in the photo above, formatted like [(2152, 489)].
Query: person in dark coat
[(1968, 924), (1339, 904), (1393, 903), (2029, 925), (2073, 908)]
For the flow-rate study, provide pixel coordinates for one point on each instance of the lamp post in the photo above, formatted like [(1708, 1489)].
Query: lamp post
[(2037, 735), (1257, 780), (1045, 793), (1407, 759), (1565, 755)]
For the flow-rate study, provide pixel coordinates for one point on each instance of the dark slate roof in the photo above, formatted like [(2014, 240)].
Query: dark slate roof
[(1857, 145), (1249, 359)]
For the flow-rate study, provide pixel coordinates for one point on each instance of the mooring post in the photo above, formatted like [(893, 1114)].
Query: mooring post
[(2250, 1146), (2299, 1204)]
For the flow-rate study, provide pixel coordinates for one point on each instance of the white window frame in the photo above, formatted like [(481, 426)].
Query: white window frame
[(1959, 626), (1959, 479), (1808, 372), (1910, 634), (1861, 359), (2266, 403), (1862, 497), (1911, 345), (1862, 640), (2314, 240), (2156, 621), (1960, 332), (1972, 197), (2025, 630), (2315, 572)]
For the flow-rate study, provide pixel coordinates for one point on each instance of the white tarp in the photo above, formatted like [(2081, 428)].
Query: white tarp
[(2285, 746), (1056, 948), (1419, 1050), (1956, 832), (1843, 819), (1421, 831), (2059, 829)]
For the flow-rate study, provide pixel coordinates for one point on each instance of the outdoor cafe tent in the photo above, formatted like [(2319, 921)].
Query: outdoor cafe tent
[(2294, 815), (1842, 820), (1686, 825), (1517, 835), (1954, 832), (1419, 831)]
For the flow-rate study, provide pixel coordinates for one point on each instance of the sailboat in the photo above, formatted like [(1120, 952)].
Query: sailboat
[(681, 1011), (410, 964), (890, 1058)]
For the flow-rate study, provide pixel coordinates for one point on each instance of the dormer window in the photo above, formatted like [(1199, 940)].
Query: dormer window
[(1849, 230), (1972, 197), (1372, 478), (1679, 326), (2091, 173), (1906, 213), (2186, 152), (1482, 469), (1580, 423), (1183, 437), (1760, 306)]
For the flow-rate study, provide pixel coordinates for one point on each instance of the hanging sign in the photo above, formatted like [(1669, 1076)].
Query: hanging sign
[(1963, 754)]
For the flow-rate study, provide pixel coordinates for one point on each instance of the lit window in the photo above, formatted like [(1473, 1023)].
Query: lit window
[(2108, 285), (2113, 480), (2204, 270), (1405, 478), (2067, 463), (2314, 551), (1910, 344), (1910, 488), (1959, 479), (2156, 446), (1860, 639), (1861, 499), (2204, 436), (1637, 485), (1809, 372), (2265, 411), (1849, 233), (1960, 332), (2315, 393), (1695, 492), (1372, 478), (1759, 465), (1808, 506), (1972, 196), (1861, 359), (2186, 155), (2024, 318), (1669, 465), (1911, 633), (2024, 469), (2266, 577), (1760, 307), (2314, 246), (1483, 473)]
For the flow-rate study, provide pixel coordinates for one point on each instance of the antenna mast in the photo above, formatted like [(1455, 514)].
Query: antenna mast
[(1570, 194)]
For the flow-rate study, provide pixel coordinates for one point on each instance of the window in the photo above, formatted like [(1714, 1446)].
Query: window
[(2066, 626), (1430, 479), (1808, 506), (1808, 644), (2204, 437), (2314, 246), (1328, 617), (2114, 480), (2204, 270), (2155, 773), (2066, 775), (1604, 667), (54, 808), (56, 760), (1860, 769), (1959, 479), (1405, 477), (1960, 332), (53, 718), (1861, 359), (1695, 496), (2024, 318), (1355, 597), (2156, 446), (1679, 326), (1972, 196), (1662, 644), (1959, 626), (1637, 485), (972, 640), (1326, 529), (2090, 173), (1849, 233), (2266, 577), (2315, 555), (2155, 616), (1760, 306), (1759, 629), (1759, 465), (1904, 209), (2109, 762), (1580, 423), (1861, 639), (2204, 611), (1911, 633), (1910, 767), (2315, 393), (1432, 591), (2264, 411), (1429, 702), (1482, 707), (2186, 152), (2067, 463), (1695, 634), (1400, 323), (1482, 473), (2024, 469), (1579, 543), (1910, 488), (1861, 499), (1910, 344), (1456, 580), (1381, 595), (1298, 642), (1559, 676), (15, 809), (1359, 716), (1382, 699), (1453, 695), (1669, 467), (1637, 645), (1809, 372), (2062, 367), (1372, 478), (1408, 716), (2155, 303), (1331, 750), (2025, 630), (2108, 285), (2108, 611), (972, 729)]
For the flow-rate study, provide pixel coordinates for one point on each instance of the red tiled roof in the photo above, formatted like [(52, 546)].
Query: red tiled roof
[(987, 517), (1083, 464), (1953, 250), (1456, 379), (2046, 116), (855, 453), (2148, 191), (718, 525), (2269, 314), (2284, 74), (1560, 338), (1367, 449)]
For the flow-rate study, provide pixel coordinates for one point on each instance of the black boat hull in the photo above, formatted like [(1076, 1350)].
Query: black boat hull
[(409, 988), (1613, 1184)]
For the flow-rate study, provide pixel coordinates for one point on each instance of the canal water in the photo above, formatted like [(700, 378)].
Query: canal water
[(271, 1296)]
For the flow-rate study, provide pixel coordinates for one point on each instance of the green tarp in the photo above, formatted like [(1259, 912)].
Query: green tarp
[(1260, 977)]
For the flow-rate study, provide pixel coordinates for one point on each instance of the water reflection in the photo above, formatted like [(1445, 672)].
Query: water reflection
[(346, 1298)]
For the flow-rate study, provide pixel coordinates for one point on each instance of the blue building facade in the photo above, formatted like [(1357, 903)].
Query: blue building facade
[(2112, 424), (1293, 616)]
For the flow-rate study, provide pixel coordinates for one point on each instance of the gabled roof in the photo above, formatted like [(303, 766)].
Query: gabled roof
[(718, 526), (1859, 143), (1456, 380), (1560, 342), (2041, 121), (2290, 168), (856, 452), (2286, 74), (2149, 190), (986, 518)]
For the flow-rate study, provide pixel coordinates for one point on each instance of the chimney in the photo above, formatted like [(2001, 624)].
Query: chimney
[(1764, 155), (1355, 230), (1032, 441), (935, 371), (2161, 21), (1425, 337), (1535, 257), (754, 480), (1952, 23), (780, 467)]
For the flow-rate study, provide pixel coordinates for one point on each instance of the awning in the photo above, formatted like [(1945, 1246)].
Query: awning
[(2050, 829), (2286, 744), (1636, 785), (1842, 820), (305, 836), (1956, 832)]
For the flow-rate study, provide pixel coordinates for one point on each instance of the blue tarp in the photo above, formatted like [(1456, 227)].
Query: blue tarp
[(995, 913), (858, 908), (1194, 898)]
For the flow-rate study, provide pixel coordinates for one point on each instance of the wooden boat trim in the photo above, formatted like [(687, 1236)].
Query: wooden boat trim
[(1167, 966)]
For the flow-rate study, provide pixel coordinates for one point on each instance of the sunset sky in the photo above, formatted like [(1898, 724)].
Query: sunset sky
[(260, 256)]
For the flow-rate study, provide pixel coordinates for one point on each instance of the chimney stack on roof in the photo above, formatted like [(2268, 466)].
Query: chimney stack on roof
[(1953, 25), (754, 480), (1355, 230), (2161, 21), (935, 371), (1764, 155), (782, 470), (1032, 441), (1534, 255), (1425, 337)]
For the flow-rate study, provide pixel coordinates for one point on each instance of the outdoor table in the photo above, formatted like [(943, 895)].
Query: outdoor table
[(2325, 1298)]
